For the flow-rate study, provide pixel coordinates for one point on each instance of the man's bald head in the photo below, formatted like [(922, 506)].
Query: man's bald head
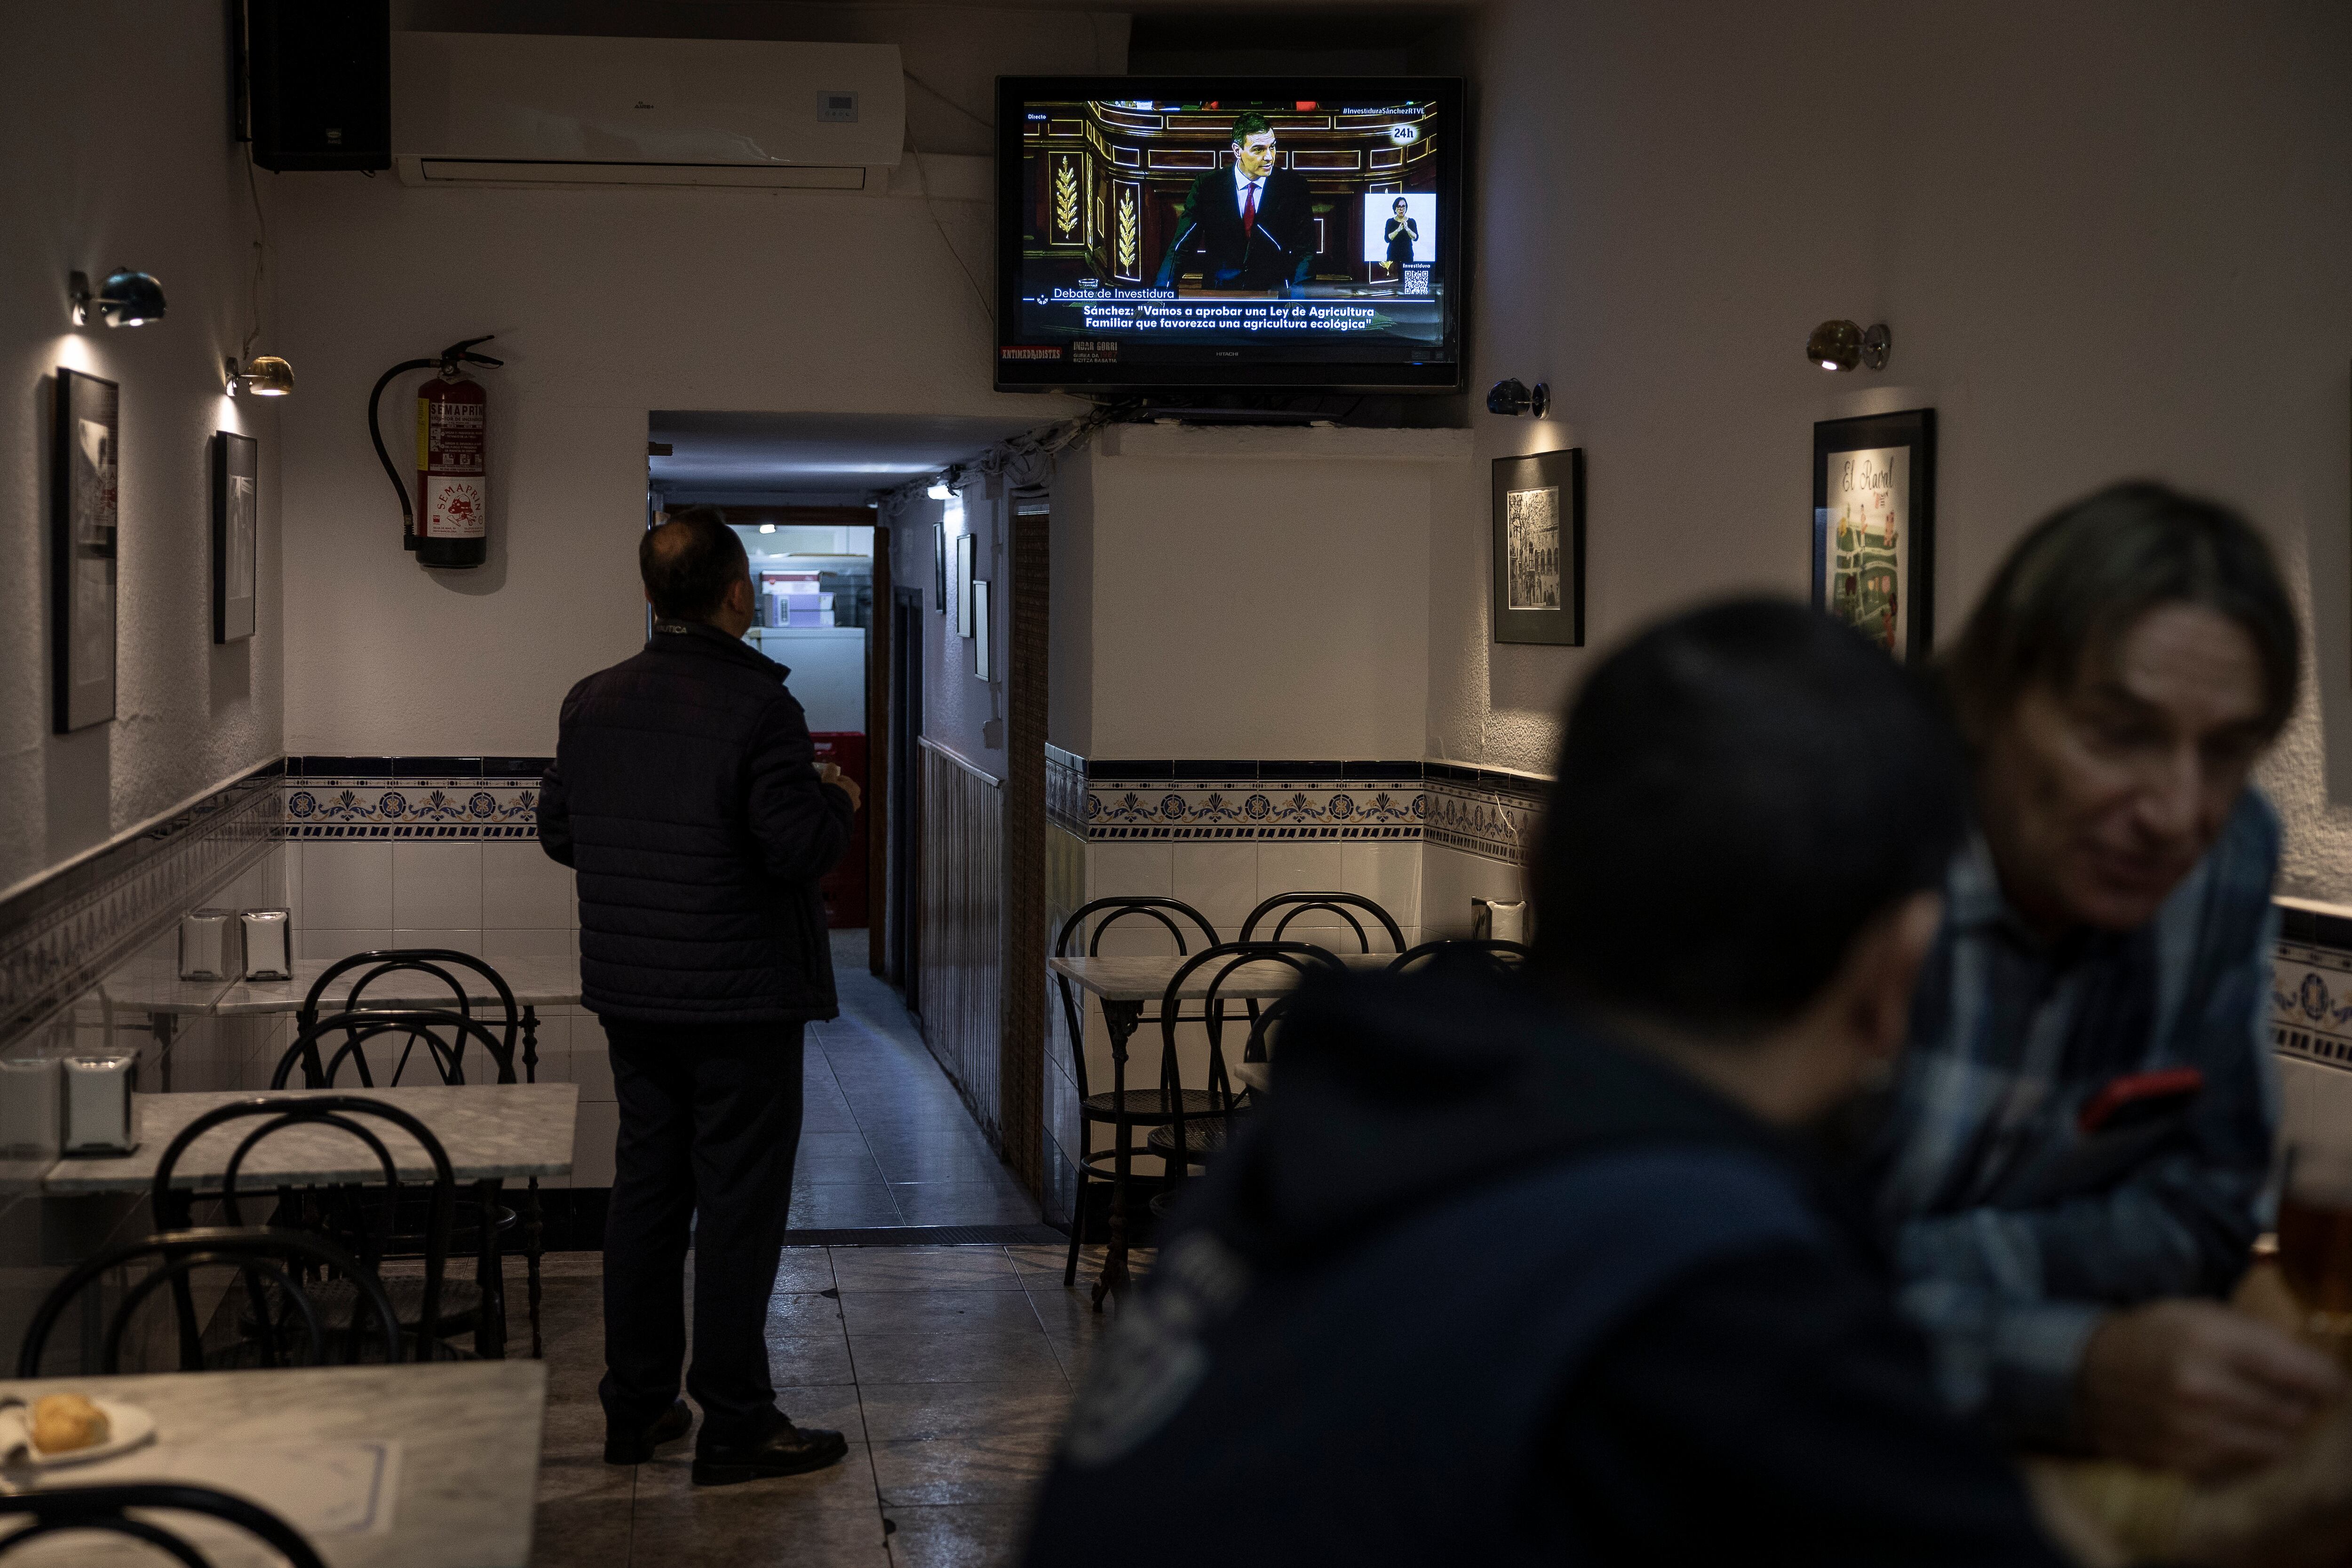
[(689, 562)]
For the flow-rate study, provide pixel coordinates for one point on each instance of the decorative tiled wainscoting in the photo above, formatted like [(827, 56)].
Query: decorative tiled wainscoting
[(364, 852), (63, 933)]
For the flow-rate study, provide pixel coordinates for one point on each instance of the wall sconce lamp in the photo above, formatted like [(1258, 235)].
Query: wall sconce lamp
[(1514, 397), (267, 375), (1841, 345), (939, 489), (128, 300)]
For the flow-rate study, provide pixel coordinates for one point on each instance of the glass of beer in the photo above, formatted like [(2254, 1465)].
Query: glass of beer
[(2314, 1237)]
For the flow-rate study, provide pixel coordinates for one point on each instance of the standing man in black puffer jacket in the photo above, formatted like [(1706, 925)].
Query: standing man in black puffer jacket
[(687, 794)]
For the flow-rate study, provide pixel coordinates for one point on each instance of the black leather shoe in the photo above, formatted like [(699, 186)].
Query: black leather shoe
[(786, 1450), (674, 1424)]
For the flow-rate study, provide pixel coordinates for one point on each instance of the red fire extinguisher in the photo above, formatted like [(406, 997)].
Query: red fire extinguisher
[(453, 491), (450, 525)]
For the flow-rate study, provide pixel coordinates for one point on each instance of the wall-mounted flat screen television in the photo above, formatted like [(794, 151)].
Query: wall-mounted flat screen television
[(1229, 232)]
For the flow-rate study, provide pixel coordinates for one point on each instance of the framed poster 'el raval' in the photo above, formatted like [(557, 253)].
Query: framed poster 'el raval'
[(1875, 528)]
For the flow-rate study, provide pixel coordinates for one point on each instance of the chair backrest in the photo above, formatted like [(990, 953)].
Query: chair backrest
[(1121, 908), (1265, 1027), (1293, 905), (170, 1206), (1220, 962), (105, 1509), (444, 1035), (268, 1262), (434, 961), (1489, 954)]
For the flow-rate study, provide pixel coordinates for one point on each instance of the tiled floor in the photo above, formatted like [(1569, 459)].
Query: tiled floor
[(950, 1369), (885, 1141)]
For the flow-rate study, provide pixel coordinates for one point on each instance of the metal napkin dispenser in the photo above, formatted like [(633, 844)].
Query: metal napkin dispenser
[(268, 942), (1492, 920), (32, 1109), (212, 945), (97, 1104)]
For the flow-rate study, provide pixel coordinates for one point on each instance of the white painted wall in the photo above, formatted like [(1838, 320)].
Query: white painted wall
[(2110, 239), (1257, 594), (607, 303), (116, 119)]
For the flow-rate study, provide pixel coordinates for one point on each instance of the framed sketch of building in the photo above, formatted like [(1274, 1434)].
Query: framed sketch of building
[(85, 468), (1875, 528), (1540, 548), (236, 534)]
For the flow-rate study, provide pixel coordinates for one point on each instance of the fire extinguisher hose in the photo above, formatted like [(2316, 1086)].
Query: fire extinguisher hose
[(449, 359)]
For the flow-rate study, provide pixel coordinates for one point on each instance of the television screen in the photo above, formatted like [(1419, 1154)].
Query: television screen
[(1168, 232)]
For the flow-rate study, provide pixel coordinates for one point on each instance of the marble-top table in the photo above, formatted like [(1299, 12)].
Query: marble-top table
[(377, 1467), (490, 1130), (535, 982), (1146, 979)]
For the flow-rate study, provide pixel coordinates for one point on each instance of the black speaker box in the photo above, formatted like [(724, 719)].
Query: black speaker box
[(315, 83)]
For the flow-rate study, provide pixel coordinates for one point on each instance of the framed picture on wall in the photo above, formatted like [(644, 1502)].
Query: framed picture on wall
[(1875, 527), (980, 664), (84, 469), (962, 584), (236, 534), (1540, 548)]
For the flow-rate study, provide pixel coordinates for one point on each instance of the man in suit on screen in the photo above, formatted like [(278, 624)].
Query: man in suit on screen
[(1252, 224)]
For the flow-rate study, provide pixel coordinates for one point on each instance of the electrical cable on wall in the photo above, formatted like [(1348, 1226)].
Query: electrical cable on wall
[(260, 257), (988, 126), (1025, 458), (923, 177)]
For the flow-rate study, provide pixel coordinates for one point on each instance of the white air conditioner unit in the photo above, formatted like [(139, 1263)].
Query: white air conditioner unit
[(545, 109)]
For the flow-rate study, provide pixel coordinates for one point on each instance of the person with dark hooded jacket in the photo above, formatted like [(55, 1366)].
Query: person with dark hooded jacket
[(1554, 1269), (687, 794)]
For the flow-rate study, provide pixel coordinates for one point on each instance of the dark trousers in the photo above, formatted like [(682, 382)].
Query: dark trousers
[(710, 1119)]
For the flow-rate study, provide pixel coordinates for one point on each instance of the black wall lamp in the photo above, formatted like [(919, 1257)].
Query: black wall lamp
[(1841, 345), (265, 375), (128, 300), (1514, 397)]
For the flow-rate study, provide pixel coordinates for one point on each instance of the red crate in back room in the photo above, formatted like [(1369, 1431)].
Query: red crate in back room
[(844, 885)]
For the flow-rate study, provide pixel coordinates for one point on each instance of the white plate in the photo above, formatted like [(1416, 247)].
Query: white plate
[(127, 1426)]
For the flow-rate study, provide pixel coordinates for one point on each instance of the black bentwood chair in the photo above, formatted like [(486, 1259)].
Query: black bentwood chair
[(1257, 1058), (1122, 1109), (105, 1509), (1489, 955), (1202, 1133), (518, 1027), (363, 1224), (444, 1035), (1293, 905), (269, 1266), (444, 1038)]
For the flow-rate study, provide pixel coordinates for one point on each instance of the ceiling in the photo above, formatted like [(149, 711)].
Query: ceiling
[(821, 459)]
